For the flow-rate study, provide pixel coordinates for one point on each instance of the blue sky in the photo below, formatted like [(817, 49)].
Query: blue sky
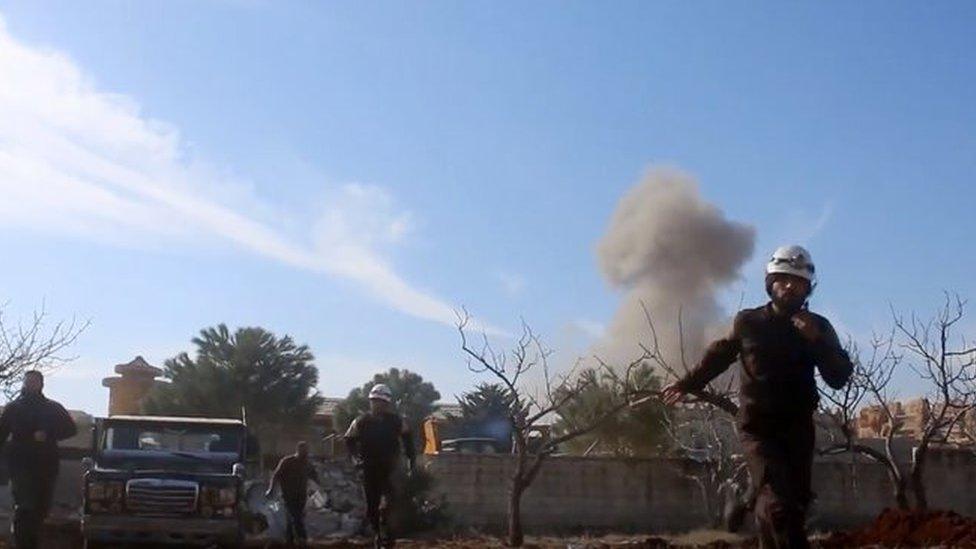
[(348, 173)]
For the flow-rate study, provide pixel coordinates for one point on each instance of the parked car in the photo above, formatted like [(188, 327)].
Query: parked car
[(471, 445), (171, 480)]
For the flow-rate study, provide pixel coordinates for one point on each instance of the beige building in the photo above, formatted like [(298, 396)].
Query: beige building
[(911, 418), (127, 390)]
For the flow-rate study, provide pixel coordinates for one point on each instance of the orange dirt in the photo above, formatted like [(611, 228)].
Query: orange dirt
[(897, 528)]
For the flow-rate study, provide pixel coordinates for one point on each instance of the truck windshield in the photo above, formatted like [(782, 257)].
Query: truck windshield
[(195, 439)]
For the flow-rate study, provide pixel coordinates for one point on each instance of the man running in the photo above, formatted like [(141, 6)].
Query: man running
[(779, 345), (292, 475), (34, 424), (374, 440)]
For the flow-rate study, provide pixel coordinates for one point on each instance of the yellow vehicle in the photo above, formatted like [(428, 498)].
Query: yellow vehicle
[(432, 435)]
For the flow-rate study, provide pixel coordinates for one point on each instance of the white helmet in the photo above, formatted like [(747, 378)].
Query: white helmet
[(381, 392), (793, 260)]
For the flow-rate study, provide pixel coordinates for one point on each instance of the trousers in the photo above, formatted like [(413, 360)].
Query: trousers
[(32, 489), (378, 486), (295, 523), (780, 459)]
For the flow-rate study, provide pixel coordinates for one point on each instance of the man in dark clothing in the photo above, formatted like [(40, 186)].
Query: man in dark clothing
[(292, 476), (778, 345), (34, 425), (374, 440)]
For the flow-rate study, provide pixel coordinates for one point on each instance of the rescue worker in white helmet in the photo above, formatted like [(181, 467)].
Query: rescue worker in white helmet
[(779, 345), (375, 440)]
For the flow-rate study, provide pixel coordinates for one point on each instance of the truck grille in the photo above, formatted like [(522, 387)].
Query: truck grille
[(152, 496)]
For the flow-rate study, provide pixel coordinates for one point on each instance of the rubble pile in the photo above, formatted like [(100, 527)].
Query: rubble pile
[(335, 509), (898, 528), (339, 508)]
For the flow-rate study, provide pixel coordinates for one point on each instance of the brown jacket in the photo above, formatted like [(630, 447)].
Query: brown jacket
[(777, 381), (293, 474)]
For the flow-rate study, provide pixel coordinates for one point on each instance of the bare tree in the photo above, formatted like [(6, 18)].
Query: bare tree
[(29, 346), (722, 474), (947, 363), (530, 410), (705, 435), (870, 380), (720, 392)]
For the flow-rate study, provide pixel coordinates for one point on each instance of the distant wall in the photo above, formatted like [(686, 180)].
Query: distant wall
[(571, 493), (652, 495)]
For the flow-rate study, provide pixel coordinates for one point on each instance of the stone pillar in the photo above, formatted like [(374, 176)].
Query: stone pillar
[(130, 387)]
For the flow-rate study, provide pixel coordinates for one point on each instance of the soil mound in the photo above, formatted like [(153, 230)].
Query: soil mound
[(898, 528)]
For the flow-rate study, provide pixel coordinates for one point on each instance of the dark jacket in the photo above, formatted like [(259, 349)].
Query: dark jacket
[(26, 415), (777, 381), (378, 438), (292, 475)]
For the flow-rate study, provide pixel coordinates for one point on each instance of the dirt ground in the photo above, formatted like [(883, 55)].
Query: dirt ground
[(893, 528), (718, 540), (698, 539), (68, 540)]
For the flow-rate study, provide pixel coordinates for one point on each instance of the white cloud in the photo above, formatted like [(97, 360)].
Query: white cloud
[(591, 328), (77, 161), (512, 283)]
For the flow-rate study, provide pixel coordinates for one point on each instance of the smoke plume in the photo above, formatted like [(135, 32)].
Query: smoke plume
[(668, 248)]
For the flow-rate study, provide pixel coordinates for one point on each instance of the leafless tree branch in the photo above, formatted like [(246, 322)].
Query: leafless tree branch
[(28, 346)]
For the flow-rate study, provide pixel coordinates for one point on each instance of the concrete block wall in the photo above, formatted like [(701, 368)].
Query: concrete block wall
[(574, 494), (570, 494), (848, 493), (950, 478)]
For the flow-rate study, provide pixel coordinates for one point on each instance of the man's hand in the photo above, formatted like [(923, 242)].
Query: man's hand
[(671, 394), (269, 493), (807, 325), (40, 436)]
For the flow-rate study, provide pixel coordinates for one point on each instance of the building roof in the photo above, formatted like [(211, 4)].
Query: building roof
[(139, 367), (447, 409), (329, 405), (171, 419)]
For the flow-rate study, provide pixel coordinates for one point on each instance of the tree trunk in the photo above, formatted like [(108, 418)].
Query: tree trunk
[(515, 535), (895, 473), (901, 498), (918, 482), (897, 485)]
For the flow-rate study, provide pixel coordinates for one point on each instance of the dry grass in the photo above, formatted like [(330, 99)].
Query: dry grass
[(706, 537)]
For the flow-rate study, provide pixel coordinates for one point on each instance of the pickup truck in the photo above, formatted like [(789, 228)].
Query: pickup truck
[(169, 480)]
